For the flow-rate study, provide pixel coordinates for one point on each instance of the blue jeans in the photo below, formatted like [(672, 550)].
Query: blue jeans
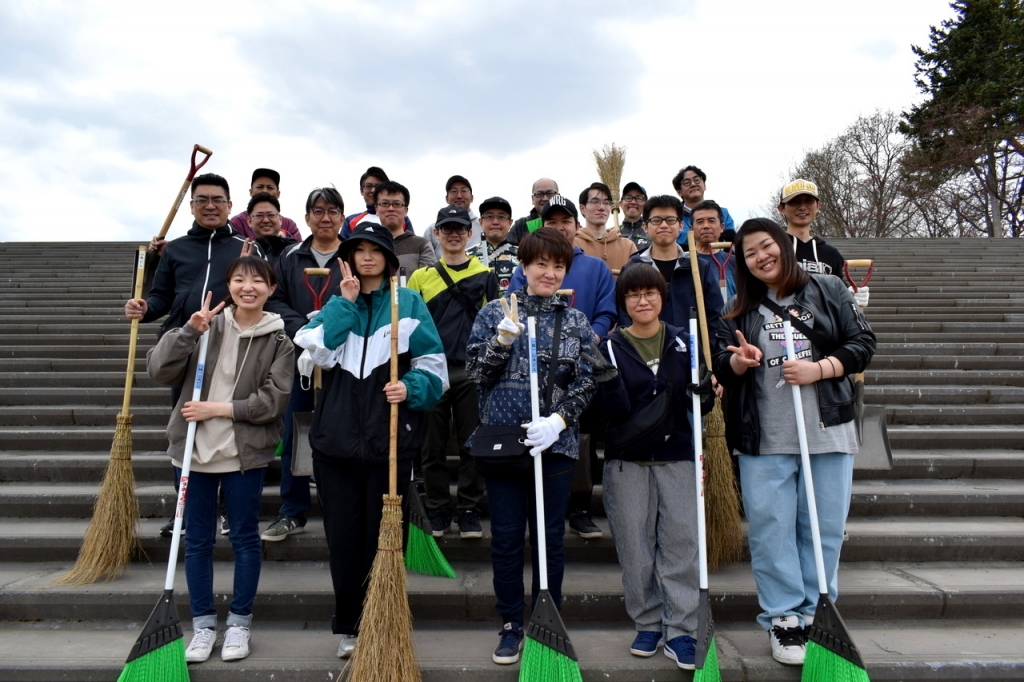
[(781, 548), (242, 492), (512, 508), (295, 500)]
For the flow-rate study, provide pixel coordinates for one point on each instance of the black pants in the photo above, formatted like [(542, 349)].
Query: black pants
[(351, 498)]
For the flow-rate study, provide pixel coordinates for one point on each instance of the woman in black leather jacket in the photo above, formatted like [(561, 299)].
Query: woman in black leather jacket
[(761, 424)]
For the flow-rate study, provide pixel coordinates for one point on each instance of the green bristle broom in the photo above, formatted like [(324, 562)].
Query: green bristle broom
[(422, 555)]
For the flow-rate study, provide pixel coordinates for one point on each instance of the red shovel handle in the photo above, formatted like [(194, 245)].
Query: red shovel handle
[(863, 263), (184, 188), (195, 167)]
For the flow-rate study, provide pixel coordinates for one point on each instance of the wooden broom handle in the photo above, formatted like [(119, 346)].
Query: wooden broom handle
[(133, 340), (393, 439), (698, 290)]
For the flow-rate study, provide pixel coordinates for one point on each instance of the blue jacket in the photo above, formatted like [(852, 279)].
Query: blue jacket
[(593, 286), (681, 297)]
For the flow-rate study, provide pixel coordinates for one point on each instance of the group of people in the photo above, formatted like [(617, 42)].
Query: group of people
[(611, 306)]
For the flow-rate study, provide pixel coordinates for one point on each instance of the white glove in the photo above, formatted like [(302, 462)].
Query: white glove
[(305, 365), (510, 327), (312, 314), (543, 433), (860, 296)]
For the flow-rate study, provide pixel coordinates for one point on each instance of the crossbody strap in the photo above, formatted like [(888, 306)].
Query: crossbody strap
[(815, 336), (549, 389), (459, 295)]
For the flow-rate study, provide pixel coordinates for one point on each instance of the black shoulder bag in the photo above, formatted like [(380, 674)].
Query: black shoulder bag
[(646, 430), (460, 296)]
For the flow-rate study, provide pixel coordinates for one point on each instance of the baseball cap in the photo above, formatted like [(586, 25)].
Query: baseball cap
[(496, 203), (798, 187), (266, 173), (559, 203), (457, 178), (453, 214), (376, 234), (634, 185)]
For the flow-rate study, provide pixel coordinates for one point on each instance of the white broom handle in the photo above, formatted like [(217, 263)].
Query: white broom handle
[(805, 465), (538, 465), (186, 465), (698, 458)]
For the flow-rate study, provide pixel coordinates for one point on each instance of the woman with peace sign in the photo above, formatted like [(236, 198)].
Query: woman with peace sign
[(248, 379)]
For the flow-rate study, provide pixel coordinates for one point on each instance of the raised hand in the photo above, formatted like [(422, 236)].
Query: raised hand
[(350, 286), (510, 327), (744, 356), (248, 248), (200, 320)]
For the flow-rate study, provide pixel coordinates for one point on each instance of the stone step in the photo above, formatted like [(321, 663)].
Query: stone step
[(951, 349), (80, 415), (115, 352), (910, 362), (84, 438), (938, 377), (949, 464), (75, 396), (72, 379), (935, 395), (39, 365), (963, 415), (870, 539), (935, 436), (301, 651), (591, 592)]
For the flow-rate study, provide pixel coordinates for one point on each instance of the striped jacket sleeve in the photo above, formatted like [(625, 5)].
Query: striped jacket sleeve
[(427, 378)]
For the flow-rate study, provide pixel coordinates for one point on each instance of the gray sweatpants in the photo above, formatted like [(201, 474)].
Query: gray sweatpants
[(652, 511)]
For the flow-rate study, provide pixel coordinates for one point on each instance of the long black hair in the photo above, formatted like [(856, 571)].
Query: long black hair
[(750, 291)]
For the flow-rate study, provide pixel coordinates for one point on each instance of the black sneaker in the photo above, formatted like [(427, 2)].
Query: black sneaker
[(167, 530), (582, 524), (282, 527), (510, 643), (469, 524), (440, 521)]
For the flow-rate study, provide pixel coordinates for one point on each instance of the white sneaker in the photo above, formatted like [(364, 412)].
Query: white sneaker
[(201, 646), (788, 641), (347, 646), (236, 644)]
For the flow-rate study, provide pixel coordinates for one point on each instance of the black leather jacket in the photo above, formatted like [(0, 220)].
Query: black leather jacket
[(838, 319)]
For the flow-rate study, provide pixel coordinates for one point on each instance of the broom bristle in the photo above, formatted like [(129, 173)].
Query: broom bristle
[(610, 160), (725, 538), (385, 652), (544, 664), (709, 672), (822, 665), (111, 538), (166, 664), (423, 556)]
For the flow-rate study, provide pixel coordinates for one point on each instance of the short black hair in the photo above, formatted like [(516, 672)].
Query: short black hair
[(373, 172), (639, 277), (391, 187), (545, 242), (600, 186), (328, 194), (210, 179), (252, 265), (677, 181), (260, 197), (709, 204), (663, 201)]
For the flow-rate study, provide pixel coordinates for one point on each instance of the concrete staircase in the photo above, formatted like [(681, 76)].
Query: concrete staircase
[(932, 584)]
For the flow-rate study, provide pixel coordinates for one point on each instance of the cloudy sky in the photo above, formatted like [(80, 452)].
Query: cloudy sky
[(101, 102)]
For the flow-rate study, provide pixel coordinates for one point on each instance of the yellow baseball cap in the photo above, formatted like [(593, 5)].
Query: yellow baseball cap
[(798, 187)]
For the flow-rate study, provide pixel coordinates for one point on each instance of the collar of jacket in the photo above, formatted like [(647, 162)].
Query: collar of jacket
[(198, 230), (682, 262), (532, 304), (674, 336), (634, 226)]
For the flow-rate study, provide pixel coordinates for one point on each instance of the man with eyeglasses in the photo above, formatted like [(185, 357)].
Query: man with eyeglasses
[(690, 184), (369, 181), (296, 304), (540, 195), (707, 230), (458, 192), (495, 251), (634, 196), (663, 216), (595, 238), (264, 180), (414, 252), (454, 289), (264, 212)]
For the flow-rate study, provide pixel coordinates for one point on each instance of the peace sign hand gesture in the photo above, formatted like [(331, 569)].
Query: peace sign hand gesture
[(510, 327), (744, 356), (248, 248), (350, 286), (200, 320)]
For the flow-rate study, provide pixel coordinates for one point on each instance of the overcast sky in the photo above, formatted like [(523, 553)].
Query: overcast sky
[(101, 102)]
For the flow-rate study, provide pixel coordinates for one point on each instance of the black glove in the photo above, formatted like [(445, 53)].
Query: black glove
[(603, 370), (702, 388)]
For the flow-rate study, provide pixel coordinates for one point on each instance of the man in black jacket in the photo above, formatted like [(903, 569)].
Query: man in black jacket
[(540, 195), (264, 216)]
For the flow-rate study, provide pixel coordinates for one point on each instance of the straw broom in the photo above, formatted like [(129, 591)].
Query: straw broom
[(111, 538), (725, 540), (385, 652), (610, 161)]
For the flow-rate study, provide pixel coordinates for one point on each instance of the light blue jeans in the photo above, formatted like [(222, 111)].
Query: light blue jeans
[(781, 549)]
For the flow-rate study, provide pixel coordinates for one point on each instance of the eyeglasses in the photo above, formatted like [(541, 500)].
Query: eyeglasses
[(691, 181), (460, 191), (203, 201), (271, 215), (495, 216), (453, 229), (599, 202), (546, 194), (634, 198), (319, 212), (650, 296), (369, 185), (390, 204), (657, 222)]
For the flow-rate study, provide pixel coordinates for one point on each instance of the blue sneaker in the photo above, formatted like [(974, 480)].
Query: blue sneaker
[(682, 649), (646, 644), (510, 643)]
